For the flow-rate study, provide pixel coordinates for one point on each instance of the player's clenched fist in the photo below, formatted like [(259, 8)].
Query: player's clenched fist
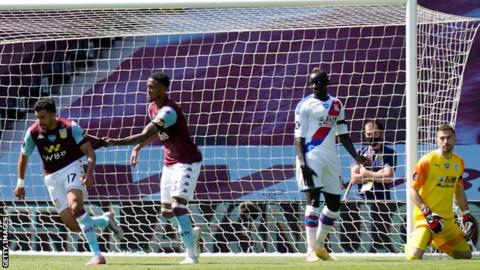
[(434, 221)]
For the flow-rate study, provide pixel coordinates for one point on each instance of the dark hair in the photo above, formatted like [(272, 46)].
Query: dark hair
[(319, 76), (46, 104), (161, 78), (446, 127), (375, 122)]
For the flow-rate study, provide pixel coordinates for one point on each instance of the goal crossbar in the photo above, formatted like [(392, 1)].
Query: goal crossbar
[(141, 4)]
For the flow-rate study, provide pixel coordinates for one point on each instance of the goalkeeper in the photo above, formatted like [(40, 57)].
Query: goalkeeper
[(436, 181)]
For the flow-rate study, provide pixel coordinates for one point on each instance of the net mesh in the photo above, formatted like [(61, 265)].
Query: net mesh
[(237, 74)]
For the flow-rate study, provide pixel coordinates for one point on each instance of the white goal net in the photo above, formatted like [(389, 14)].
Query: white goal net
[(238, 74)]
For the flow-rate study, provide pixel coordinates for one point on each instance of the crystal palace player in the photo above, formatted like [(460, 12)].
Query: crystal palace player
[(182, 159), (436, 182), (61, 143), (318, 118)]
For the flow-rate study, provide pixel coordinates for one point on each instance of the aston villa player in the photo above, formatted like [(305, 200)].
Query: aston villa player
[(61, 144)]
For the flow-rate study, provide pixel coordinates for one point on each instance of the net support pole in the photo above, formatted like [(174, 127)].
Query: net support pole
[(411, 103)]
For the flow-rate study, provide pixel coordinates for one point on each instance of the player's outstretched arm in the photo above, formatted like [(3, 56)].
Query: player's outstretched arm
[(22, 168), (95, 142), (147, 132), (138, 147)]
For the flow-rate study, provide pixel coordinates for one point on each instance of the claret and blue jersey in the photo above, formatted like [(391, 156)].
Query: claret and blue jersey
[(58, 147), (173, 132)]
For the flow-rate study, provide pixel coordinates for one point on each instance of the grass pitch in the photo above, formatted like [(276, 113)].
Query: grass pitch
[(238, 263)]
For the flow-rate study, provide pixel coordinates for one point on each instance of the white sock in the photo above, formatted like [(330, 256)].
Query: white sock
[(327, 219), (311, 227)]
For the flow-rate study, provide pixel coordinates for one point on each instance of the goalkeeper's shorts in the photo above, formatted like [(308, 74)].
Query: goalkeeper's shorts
[(450, 238)]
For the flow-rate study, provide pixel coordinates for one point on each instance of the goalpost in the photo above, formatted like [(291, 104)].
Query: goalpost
[(238, 69)]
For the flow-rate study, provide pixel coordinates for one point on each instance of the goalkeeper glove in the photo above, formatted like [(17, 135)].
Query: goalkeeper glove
[(434, 220), (468, 225)]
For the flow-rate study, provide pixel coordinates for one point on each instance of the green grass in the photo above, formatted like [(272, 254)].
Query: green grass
[(239, 263)]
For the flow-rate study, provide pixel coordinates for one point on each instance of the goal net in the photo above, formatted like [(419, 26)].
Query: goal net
[(238, 74)]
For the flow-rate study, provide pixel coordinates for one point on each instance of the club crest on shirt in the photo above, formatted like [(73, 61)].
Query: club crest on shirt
[(63, 133), (336, 107), (52, 137), (325, 105), (447, 165), (455, 167)]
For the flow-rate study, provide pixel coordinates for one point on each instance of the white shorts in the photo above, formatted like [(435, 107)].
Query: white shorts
[(179, 180), (328, 174), (62, 181)]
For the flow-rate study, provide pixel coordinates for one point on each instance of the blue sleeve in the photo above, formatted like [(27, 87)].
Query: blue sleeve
[(28, 144), (77, 132), (390, 159), (166, 117)]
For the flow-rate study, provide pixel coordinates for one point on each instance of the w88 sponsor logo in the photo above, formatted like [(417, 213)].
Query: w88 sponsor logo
[(55, 156)]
